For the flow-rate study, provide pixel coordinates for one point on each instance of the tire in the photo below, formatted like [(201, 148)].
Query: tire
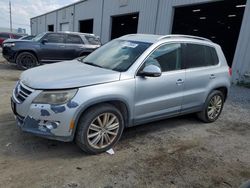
[(89, 125), (211, 113), (26, 60)]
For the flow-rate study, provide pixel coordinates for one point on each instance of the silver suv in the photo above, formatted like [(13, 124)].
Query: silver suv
[(129, 81)]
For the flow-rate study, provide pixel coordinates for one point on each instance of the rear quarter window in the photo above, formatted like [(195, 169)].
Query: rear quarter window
[(92, 40), (197, 55)]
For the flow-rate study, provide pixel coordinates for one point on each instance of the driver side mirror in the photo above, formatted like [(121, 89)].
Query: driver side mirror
[(44, 41), (151, 71)]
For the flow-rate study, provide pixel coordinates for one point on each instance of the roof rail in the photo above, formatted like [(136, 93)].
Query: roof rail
[(184, 36)]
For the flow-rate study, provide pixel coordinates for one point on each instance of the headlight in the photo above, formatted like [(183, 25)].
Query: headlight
[(9, 44), (55, 97)]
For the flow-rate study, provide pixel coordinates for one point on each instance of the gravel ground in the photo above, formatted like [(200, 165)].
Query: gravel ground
[(178, 152)]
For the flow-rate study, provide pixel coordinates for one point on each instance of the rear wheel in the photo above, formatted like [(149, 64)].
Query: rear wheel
[(213, 107), (99, 129), (26, 60)]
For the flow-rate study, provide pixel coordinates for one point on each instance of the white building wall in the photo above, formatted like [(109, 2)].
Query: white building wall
[(241, 64), (51, 19), (41, 24), (33, 25), (89, 10), (66, 15), (147, 14)]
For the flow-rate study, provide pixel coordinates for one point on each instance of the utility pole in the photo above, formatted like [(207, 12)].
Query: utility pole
[(10, 17)]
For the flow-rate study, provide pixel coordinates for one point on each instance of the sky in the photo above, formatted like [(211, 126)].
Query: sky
[(23, 10)]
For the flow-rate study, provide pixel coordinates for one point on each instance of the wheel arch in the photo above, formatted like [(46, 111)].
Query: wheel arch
[(30, 51), (120, 104), (222, 89)]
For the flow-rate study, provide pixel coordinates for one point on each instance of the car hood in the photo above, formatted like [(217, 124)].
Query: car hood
[(68, 74), (18, 41)]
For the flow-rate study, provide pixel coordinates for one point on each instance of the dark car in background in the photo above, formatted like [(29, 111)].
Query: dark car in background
[(49, 47), (6, 35)]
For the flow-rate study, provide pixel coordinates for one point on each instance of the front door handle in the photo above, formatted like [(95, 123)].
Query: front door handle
[(212, 76), (179, 81), (61, 46)]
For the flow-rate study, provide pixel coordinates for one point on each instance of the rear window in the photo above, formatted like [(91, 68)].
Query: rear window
[(197, 55), (73, 39), (92, 40), (4, 35)]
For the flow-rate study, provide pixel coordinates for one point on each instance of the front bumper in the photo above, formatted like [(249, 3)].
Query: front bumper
[(9, 54), (44, 120)]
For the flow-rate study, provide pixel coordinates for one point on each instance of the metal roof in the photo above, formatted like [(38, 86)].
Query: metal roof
[(59, 8)]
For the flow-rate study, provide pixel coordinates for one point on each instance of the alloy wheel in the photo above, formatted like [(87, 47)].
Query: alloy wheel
[(103, 130), (27, 61), (214, 107)]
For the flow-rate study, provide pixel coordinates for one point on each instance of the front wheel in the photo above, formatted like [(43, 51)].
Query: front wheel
[(99, 129), (26, 60), (213, 107)]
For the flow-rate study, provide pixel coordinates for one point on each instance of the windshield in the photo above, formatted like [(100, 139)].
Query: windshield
[(116, 55), (38, 37)]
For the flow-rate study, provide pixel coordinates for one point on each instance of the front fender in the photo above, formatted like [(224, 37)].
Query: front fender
[(109, 92)]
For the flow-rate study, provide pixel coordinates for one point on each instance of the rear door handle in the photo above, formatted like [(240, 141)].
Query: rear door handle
[(61, 46), (179, 82), (212, 76)]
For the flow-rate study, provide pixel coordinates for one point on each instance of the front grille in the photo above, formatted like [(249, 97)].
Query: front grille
[(22, 92)]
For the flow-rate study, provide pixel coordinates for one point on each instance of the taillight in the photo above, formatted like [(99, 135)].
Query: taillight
[(230, 71)]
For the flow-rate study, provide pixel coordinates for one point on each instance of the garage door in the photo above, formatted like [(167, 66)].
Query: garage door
[(64, 27), (219, 21)]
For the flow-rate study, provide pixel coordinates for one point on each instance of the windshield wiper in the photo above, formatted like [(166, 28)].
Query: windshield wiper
[(93, 64)]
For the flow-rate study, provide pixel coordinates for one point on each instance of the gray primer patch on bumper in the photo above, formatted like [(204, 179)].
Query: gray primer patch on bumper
[(44, 113), (72, 104), (32, 125), (57, 109)]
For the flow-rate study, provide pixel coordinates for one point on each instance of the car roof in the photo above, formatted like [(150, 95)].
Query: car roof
[(74, 33), (150, 38)]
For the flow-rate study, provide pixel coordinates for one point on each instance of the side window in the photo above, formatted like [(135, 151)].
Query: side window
[(168, 57), (197, 55), (74, 39), (55, 38), (211, 56), (4, 35)]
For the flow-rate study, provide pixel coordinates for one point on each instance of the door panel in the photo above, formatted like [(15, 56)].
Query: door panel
[(196, 84), (201, 70), (160, 96), (54, 48), (74, 45)]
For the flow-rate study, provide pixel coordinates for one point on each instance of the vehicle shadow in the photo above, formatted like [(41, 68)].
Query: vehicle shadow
[(25, 145)]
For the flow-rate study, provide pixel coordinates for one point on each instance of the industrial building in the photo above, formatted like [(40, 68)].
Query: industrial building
[(226, 22)]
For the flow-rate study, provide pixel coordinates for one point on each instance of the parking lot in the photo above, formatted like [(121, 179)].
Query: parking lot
[(178, 152)]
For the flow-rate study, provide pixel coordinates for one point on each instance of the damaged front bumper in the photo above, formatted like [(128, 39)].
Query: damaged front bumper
[(44, 120)]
